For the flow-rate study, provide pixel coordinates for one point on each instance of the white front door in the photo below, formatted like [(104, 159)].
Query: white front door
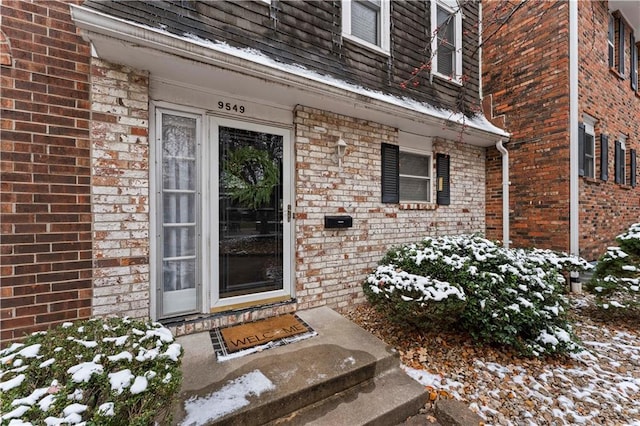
[(223, 219)]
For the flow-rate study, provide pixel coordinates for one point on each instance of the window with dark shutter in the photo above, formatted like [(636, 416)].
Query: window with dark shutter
[(633, 167), (443, 193), (634, 63), (390, 173), (581, 142), (619, 162), (621, 46), (604, 157)]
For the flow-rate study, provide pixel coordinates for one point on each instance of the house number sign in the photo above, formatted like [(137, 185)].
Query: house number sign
[(229, 106)]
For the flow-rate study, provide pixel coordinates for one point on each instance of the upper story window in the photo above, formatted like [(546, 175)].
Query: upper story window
[(367, 22), (446, 39), (611, 41), (635, 52)]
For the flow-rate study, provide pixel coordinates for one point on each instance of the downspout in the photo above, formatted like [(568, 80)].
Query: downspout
[(574, 207), (480, 50), (505, 193)]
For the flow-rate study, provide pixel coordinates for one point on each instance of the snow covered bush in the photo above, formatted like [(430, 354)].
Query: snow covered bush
[(416, 299), (511, 297), (100, 372), (616, 280)]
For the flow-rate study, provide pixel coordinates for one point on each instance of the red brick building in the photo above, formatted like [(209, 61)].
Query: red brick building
[(138, 139), (564, 76)]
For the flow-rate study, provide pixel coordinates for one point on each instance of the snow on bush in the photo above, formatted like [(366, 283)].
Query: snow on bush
[(616, 280), (512, 297), (115, 371)]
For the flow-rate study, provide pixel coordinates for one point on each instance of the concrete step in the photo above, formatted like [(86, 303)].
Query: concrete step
[(314, 377), (387, 399)]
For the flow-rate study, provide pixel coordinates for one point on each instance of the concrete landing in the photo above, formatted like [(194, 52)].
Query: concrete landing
[(342, 376)]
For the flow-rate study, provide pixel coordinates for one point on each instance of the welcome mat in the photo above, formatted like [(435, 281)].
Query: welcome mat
[(258, 335)]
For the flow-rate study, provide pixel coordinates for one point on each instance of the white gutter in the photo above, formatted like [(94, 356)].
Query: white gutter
[(104, 26), (505, 193), (574, 207), (480, 50)]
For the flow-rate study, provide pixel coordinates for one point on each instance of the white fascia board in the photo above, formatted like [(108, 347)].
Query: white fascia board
[(100, 28)]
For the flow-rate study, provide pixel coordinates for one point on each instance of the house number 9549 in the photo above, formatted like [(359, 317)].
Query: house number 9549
[(228, 106)]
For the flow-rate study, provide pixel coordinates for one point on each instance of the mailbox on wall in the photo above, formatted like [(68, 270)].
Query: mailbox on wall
[(338, 221)]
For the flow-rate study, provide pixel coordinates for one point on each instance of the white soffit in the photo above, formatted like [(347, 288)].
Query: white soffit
[(252, 76), (630, 9)]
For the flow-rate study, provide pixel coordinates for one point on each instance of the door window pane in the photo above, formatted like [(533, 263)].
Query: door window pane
[(178, 213), (250, 212)]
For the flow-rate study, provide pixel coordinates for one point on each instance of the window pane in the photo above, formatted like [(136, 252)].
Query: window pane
[(179, 184), (365, 21), (413, 189), (446, 42), (414, 164), (179, 274), (446, 26), (446, 60), (179, 241), (178, 208), (589, 145), (178, 136)]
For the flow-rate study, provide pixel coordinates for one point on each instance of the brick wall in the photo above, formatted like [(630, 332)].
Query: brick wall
[(606, 208), (525, 67), (120, 189), (526, 71), (331, 264), (45, 214)]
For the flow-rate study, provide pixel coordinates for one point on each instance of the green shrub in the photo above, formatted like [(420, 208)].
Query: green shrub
[(616, 280), (500, 296), (421, 301), (101, 372)]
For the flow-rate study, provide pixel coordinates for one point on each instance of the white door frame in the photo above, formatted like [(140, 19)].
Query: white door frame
[(287, 229), (208, 292)]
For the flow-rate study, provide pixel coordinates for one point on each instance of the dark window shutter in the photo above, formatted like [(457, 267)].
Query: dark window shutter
[(581, 142), (443, 193), (390, 173), (619, 162), (633, 167), (621, 46), (604, 157), (634, 62)]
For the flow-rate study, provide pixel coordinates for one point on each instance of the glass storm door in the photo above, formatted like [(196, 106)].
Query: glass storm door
[(250, 258), (178, 230)]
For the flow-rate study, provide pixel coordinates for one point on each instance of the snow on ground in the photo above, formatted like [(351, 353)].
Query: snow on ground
[(231, 397), (600, 386)]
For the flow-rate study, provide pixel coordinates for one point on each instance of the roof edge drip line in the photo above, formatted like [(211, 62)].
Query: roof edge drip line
[(97, 26)]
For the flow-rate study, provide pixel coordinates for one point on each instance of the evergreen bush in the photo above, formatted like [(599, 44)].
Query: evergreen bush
[(616, 280), (95, 372), (511, 297)]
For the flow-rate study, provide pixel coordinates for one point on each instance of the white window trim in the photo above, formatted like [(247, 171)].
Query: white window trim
[(385, 27), (589, 129), (449, 5), (429, 178)]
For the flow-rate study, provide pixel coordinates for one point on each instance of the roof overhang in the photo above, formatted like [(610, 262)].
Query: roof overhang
[(630, 10), (252, 75)]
